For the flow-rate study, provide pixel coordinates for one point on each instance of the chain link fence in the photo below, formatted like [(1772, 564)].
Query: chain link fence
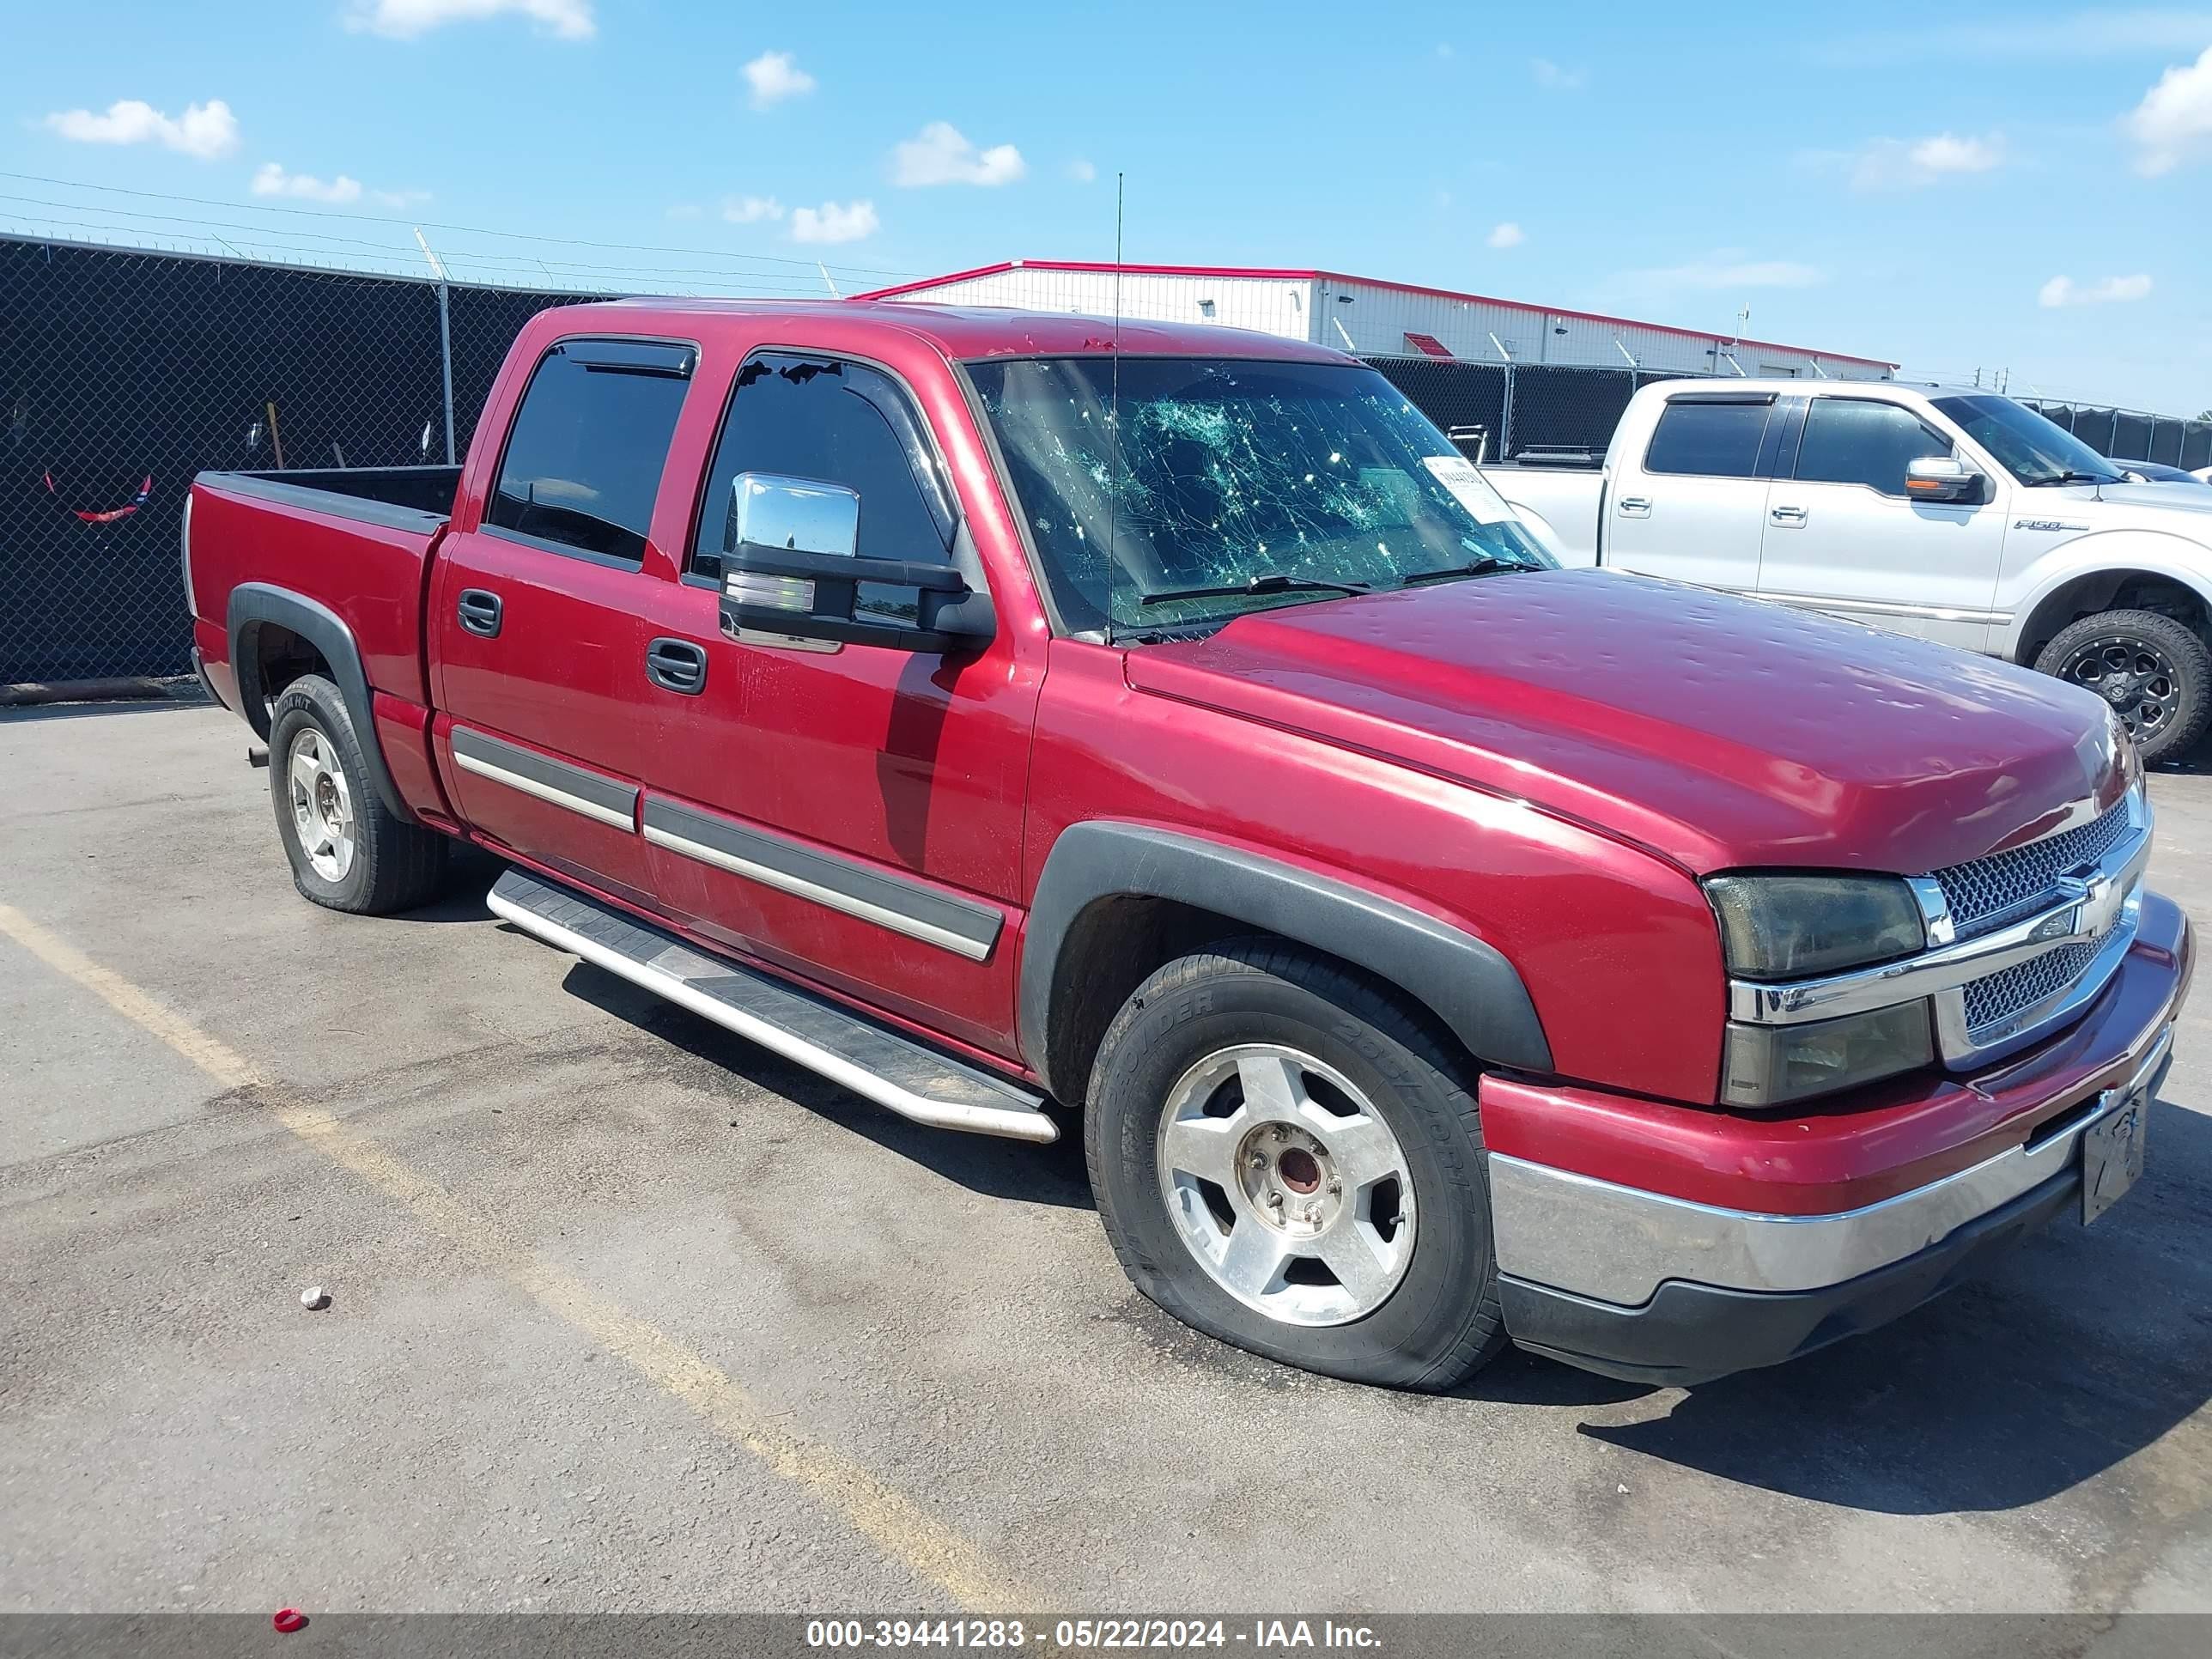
[(124, 372), (1494, 411), (1504, 410), (2129, 435)]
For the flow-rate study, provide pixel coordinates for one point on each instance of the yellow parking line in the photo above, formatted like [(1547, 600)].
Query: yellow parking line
[(925, 1547)]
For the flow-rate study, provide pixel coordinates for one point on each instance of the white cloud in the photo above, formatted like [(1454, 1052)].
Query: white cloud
[(272, 180), (750, 210), (774, 76), (940, 154), (404, 19), (204, 131), (1081, 171), (2173, 122), (1508, 234), (834, 223), (1728, 269), (2108, 290), (1550, 76), (1916, 163)]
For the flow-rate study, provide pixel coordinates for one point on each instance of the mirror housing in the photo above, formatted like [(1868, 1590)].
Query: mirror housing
[(1940, 478), (793, 574)]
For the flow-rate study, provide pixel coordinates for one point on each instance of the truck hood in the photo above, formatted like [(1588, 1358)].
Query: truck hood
[(2172, 507), (1720, 732)]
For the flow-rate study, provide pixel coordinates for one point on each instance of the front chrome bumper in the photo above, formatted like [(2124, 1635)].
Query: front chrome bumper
[(1618, 1244)]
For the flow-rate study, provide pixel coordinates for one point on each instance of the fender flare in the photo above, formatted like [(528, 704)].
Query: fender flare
[(1463, 981), (2102, 552), (254, 606)]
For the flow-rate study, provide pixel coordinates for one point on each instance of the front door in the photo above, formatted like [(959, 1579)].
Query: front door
[(1842, 537), (854, 813), (539, 644)]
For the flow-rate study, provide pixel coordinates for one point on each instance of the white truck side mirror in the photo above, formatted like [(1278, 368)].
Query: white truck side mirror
[(1940, 478)]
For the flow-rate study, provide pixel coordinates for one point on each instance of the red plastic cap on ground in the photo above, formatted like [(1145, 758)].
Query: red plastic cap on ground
[(288, 1620)]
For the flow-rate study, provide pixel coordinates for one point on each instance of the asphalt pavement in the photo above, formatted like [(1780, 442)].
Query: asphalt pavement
[(627, 1314)]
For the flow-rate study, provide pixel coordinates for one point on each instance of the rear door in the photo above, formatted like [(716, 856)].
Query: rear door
[(1692, 507), (538, 613), (1842, 537)]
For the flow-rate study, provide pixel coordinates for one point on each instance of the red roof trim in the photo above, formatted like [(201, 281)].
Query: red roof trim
[(1268, 273)]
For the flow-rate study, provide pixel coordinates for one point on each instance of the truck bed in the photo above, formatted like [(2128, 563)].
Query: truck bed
[(355, 541), (1559, 504), (421, 496)]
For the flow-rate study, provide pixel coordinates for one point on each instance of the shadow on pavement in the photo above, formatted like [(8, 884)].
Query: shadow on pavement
[(1051, 1174), (2082, 1348)]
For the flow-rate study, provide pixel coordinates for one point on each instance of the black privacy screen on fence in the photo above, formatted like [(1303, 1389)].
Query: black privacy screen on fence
[(124, 374)]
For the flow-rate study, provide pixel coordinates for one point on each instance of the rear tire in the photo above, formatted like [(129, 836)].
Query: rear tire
[(2152, 671), (348, 850), (1285, 1159)]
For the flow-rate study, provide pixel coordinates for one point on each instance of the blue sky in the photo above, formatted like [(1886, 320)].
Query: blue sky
[(2017, 188)]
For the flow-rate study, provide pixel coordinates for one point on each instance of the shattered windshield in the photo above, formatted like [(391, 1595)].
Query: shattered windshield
[(1289, 482)]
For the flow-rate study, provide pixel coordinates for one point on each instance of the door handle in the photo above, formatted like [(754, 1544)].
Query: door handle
[(480, 613), (677, 666), (1635, 507), (1791, 517)]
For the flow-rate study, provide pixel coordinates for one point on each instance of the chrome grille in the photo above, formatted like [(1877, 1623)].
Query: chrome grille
[(2002, 995), (1987, 887)]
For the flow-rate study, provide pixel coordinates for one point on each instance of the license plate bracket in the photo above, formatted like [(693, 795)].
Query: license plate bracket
[(2113, 1154)]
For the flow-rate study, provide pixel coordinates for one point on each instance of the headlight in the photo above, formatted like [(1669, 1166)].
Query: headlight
[(1794, 927), (1768, 1065)]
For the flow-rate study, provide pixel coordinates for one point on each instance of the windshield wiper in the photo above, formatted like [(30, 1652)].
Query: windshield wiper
[(1484, 566), (1270, 582), (2075, 476)]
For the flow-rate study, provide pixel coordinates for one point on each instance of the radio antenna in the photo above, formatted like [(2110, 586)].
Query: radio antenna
[(1113, 420)]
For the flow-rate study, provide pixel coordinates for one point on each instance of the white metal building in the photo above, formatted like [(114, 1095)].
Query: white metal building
[(1376, 319)]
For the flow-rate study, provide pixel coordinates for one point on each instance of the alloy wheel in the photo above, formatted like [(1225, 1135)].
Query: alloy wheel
[(2133, 676), (1285, 1184), (322, 805)]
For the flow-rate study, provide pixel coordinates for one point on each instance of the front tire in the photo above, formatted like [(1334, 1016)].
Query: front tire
[(2152, 671), (347, 849), (1285, 1159)]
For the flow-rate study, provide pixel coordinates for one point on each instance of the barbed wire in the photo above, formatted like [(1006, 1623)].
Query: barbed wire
[(410, 224)]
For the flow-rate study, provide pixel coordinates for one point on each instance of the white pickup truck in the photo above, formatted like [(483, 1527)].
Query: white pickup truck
[(1959, 516)]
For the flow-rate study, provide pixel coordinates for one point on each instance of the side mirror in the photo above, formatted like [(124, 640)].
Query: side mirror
[(792, 572), (1940, 478)]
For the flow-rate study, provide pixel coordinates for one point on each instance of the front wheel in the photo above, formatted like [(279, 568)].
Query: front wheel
[(1287, 1160), (2151, 670)]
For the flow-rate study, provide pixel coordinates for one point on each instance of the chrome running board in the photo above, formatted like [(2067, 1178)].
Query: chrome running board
[(889, 1068)]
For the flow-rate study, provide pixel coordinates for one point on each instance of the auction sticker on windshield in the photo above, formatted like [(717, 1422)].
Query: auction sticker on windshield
[(1457, 474)]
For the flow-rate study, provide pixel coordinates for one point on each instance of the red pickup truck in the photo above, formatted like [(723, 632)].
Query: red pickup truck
[(1023, 719)]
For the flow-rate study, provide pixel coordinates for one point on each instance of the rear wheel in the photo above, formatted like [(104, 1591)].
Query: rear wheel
[(2151, 670), (1287, 1160), (348, 850)]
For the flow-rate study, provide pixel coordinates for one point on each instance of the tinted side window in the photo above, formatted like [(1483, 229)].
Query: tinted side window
[(1717, 440), (1857, 440), (835, 422), (583, 462)]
